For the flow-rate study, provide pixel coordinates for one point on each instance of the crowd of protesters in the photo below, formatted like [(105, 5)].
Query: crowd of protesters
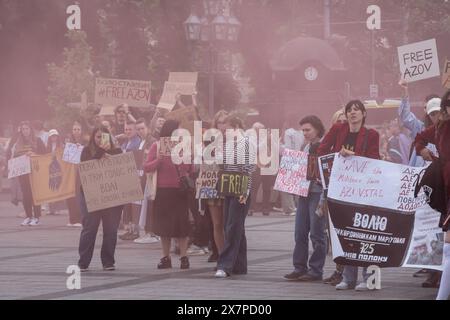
[(217, 226)]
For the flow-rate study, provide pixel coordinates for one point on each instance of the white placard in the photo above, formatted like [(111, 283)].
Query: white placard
[(72, 153), (419, 60), (19, 166)]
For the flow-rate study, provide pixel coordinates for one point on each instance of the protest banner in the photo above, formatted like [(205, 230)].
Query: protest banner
[(51, 178), (325, 166), (110, 182), (19, 166), (232, 184), (207, 181), (114, 92), (72, 153), (446, 75), (371, 205), (291, 176), (419, 60), (189, 77), (185, 116)]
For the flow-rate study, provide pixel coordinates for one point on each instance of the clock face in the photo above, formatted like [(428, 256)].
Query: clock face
[(311, 73)]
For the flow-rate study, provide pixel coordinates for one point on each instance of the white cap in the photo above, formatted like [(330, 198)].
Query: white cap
[(433, 105), (53, 132)]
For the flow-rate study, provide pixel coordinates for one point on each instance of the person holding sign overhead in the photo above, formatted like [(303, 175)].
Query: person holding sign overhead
[(233, 257), (352, 138), (28, 144), (307, 222), (100, 146), (439, 135)]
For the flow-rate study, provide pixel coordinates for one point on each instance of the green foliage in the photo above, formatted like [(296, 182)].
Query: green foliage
[(70, 79)]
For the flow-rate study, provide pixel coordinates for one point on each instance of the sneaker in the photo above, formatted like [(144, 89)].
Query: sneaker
[(344, 286), (362, 287), (83, 269), (165, 263), (34, 222), (129, 236), (294, 275), (77, 225), (221, 274), (334, 279), (109, 268), (293, 213), (26, 222), (310, 277), (277, 209), (184, 263), (146, 238), (196, 251), (69, 225)]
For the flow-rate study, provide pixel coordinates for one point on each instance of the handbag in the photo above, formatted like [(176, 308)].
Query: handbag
[(186, 183)]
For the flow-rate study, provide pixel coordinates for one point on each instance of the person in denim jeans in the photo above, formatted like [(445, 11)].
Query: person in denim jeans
[(307, 221), (109, 217)]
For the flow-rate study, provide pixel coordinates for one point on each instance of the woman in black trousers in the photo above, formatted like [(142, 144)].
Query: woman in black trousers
[(109, 217)]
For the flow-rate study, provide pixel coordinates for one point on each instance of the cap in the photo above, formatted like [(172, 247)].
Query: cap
[(53, 132), (433, 105)]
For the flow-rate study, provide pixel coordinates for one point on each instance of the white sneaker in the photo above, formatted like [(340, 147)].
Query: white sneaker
[(146, 238), (26, 222), (78, 225), (277, 209), (362, 287), (221, 274), (343, 286), (195, 251), (34, 222), (293, 213)]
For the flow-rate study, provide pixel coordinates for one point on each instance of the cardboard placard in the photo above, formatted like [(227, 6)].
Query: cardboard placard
[(19, 166), (232, 184), (110, 182), (72, 153), (206, 182), (114, 92), (51, 178), (446, 74), (325, 166), (419, 60), (183, 88)]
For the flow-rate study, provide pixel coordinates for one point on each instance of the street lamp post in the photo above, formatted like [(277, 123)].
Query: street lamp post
[(213, 29)]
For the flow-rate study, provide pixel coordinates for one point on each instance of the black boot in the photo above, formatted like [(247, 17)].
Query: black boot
[(184, 263), (165, 263)]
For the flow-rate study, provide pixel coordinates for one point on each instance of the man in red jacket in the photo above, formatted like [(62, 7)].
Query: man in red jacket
[(352, 138)]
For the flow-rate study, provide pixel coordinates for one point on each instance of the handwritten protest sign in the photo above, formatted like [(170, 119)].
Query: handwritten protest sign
[(167, 100), (19, 166), (206, 182), (107, 111), (183, 88), (291, 176), (72, 153), (52, 179), (446, 74), (363, 181), (114, 92), (232, 184), (419, 60), (110, 182)]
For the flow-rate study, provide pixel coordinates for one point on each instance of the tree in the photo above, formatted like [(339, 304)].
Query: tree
[(69, 80)]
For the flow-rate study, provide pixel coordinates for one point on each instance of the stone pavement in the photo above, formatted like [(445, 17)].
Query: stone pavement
[(33, 263)]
